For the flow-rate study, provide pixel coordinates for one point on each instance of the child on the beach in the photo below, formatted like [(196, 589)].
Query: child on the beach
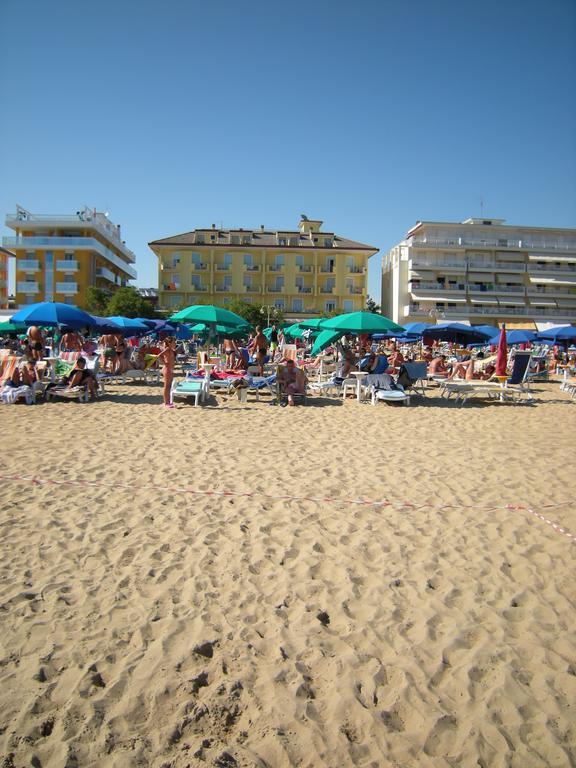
[(167, 359)]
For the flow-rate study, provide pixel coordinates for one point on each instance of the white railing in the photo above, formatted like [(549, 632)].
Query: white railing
[(67, 266), (27, 265), (551, 268), (434, 263), (545, 245), (98, 221), (67, 288), (436, 287), (27, 287), (85, 243), (107, 274), (510, 266)]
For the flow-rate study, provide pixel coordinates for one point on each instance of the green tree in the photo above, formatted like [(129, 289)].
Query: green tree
[(127, 302), (96, 300), (371, 305)]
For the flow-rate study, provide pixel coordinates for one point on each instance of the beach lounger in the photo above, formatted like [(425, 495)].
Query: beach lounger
[(190, 388), (302, 383), (382, 388), (418, 375), (516, 388), (68, 393)]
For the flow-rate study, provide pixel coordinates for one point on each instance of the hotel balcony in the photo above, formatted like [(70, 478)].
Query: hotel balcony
[(304, 288), (274, 267), (251, 289), (220, 288), (304, 268), (28, 287), (27, 265), (326, 270), (496, 243), (356, 270), (77, 243), (107, 274), (325, 289), (355, 291), (423, 288), (252, 267), (199, 288), (223, 267), (68, 289), (67, 266), (274, 289), (568, 268), (479, 265), (510, 266), (437, 264), (552, 290), (492, 289), (197, 266)]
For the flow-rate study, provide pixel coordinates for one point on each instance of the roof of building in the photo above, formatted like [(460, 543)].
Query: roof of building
[(488, 223), (266, 239)]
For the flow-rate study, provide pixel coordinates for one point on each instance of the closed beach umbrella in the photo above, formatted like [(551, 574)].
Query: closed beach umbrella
[(52, 313), (502, 354), (209, 314), (323, 340), (360, 322)]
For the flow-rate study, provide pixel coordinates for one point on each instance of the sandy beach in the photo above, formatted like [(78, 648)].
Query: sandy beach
[(143, 624)]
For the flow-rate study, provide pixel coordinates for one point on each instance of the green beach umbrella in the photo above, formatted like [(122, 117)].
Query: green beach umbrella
[(209, 314), (360, 322), (323, 340), (315, 324), (8, 327)]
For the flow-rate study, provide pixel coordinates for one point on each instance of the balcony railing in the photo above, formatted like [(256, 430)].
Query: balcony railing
[(107, 274), (223, 267), (27, 287), (199, 265), (199, 288), (222, 288), (355, 291), (304, 288), (67, 266), (326, 289), (67, 288), (84, 243), (252, 288), (274, 267), (552, 268), (438, 263), (325, 270), (481, 264), (510, 266), (274, 289), (28, 265), (437, 287), (541, 290), (304, 267), (252, 267), (497, 243), (496, 289), (356, 270)]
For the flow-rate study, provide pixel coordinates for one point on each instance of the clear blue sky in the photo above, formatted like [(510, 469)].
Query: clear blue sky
[(369, 115)]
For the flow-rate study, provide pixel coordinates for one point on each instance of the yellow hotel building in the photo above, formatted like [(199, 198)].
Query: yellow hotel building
[(59, 256), (4, 256), (304, 272)]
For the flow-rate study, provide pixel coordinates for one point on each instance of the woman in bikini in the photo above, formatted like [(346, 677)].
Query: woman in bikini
[(167, 359)]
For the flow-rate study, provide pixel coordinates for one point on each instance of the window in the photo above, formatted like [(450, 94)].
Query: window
[(175, 261), (297, 305), (200, 238), (68, 256), (348, 305), (279, 260), (196, 259), (228, 260), (248, 260), (330, 306), (327, 242), (279, 303)]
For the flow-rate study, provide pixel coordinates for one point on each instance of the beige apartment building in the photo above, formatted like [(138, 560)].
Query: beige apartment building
[(481, 271), (304, 272)]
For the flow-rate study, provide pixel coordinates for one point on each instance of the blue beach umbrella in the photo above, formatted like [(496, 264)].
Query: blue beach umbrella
[(130, 326), (517, 336), (52, 313), (457, 332), (104, 325), (562, 333)]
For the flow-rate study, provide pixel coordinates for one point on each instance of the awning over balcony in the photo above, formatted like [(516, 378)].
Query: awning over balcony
[(484, 300)]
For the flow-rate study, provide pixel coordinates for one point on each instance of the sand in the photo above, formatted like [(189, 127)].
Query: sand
[(144, 626)]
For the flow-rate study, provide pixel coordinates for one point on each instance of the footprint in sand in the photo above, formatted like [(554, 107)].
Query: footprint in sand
[(440, 741)]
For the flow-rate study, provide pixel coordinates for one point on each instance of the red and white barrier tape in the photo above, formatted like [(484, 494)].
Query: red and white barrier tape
[(286, 497)]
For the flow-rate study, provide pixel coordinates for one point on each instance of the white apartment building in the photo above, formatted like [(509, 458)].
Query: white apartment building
[(481, 271)]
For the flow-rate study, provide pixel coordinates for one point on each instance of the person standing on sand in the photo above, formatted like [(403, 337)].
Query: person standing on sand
[(36, 341), (259, 348), (167, 359)]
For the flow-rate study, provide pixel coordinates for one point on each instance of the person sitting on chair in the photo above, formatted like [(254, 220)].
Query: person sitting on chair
[(292, 381), (80, 376), (438, 367)]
